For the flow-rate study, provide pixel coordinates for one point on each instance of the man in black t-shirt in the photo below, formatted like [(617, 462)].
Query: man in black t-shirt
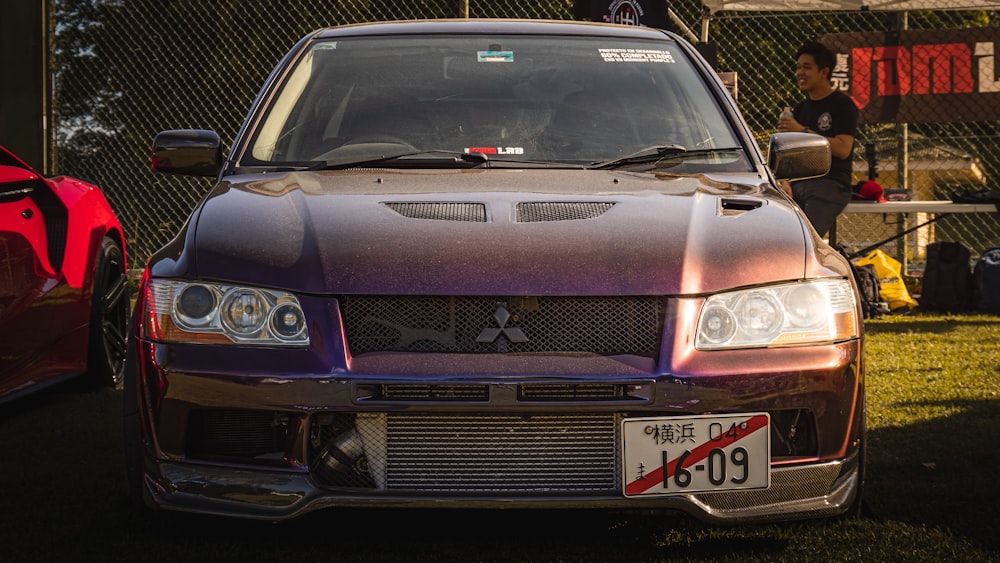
[(832, 114)]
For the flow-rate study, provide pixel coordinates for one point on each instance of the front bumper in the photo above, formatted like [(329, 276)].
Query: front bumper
[(809, 491), (190, 419)]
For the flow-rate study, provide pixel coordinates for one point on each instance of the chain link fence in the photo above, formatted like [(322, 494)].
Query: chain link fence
[(125, 70), (940, 157)]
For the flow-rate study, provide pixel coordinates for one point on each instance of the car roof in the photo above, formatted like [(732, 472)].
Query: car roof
[(493, 26)]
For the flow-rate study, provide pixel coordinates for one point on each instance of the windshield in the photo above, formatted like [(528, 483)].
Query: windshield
[(554, 99)]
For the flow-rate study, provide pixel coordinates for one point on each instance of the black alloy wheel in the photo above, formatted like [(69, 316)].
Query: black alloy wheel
[(109, 314)]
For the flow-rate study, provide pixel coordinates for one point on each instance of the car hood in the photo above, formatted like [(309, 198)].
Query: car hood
[(494, 232)]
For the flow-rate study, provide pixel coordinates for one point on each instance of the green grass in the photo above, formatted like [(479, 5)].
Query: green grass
[(933, 493)]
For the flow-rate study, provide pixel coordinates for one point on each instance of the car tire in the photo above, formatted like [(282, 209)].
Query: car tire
[(109, 314)]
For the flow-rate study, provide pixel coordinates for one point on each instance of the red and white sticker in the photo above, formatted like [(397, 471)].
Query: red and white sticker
[(495, 150)]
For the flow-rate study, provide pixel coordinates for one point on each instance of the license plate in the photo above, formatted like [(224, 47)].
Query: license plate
[(679, 455)]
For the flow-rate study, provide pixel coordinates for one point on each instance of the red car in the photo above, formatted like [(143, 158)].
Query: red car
[(64, 302)]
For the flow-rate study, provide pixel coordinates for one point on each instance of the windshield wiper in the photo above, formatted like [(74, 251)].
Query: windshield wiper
[(658, 153), (473, 158)]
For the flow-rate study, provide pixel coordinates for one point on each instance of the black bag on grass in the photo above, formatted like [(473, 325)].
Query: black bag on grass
[(947, 285), (986, 274), (866, 278), (868, 286)]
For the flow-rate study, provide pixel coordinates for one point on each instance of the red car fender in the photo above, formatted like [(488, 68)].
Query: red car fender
[(26, 219), (90, 219)]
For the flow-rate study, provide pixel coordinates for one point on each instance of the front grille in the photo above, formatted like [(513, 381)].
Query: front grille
[(501, 453), (418, 392), (575, 392), (527, 393), (484, 325)]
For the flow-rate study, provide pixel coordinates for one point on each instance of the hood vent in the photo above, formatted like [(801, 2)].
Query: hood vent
[(731, 206), (441, 211), (540, 211)]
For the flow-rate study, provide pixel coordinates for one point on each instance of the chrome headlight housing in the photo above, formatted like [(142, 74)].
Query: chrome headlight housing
[(211, 313), (791, 314)]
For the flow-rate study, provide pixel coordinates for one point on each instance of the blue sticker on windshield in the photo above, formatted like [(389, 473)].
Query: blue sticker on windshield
[(495, 56)]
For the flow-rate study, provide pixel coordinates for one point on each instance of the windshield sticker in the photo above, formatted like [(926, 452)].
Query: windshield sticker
[(495, 56), (636, 56), (325, 46), (495, 150)]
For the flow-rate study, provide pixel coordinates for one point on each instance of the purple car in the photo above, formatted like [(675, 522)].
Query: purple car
[(496, 264)]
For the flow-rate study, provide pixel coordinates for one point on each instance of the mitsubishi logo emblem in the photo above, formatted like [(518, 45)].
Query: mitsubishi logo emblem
[(512, 333)]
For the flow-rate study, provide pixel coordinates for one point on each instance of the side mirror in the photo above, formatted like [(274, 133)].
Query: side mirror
[(194, 152), (798, 156), (16, 181)]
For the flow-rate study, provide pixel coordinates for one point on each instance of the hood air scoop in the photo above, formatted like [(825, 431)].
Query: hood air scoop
[(441, 211), (525, 212), (536, 211)]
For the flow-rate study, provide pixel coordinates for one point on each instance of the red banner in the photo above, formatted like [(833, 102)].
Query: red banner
[(919, 76)]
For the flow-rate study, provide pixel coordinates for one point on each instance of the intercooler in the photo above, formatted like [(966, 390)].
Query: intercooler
[(474, 454)]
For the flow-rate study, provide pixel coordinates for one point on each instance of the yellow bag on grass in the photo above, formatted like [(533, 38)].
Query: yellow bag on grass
[(892, 289)]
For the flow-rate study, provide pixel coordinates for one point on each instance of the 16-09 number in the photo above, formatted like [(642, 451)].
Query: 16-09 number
[(717, 465)]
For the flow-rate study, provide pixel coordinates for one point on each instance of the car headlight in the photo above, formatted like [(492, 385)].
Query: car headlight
[(200, 312), (811, 312)]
